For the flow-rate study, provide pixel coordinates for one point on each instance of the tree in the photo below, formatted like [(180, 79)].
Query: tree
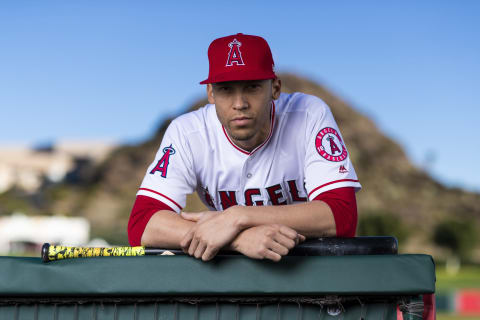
[(459, 236), (382, 223)]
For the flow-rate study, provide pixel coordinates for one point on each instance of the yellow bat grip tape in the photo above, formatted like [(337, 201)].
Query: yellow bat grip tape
[(62, 252)]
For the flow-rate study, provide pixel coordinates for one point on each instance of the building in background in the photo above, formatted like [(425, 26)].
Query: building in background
[(20, 233), (27, 167)]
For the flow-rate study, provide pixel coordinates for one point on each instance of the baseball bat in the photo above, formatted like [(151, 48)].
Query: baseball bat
[(330, 246)]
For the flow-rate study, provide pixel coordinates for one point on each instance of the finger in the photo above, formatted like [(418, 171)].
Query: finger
[(285, 241), (209, 253), (272, 256), (191, 216), (299, 239), (193, 246), (200, 250), (185, 243), (288, 232), (278, 248)]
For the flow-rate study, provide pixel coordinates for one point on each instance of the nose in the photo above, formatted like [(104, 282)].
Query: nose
[(239, 101)]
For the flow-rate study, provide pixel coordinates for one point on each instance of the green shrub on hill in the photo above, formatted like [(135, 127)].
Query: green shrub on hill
[(459, 236), (382, 223)]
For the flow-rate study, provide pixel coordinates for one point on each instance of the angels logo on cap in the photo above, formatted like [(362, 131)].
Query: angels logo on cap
[(227, 62), (330, 146), (234, 55)]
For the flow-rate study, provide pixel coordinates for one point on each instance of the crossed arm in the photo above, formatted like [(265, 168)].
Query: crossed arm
[(258, 232)]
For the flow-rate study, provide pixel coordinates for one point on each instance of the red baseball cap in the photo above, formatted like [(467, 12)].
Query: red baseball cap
[(239, 57)]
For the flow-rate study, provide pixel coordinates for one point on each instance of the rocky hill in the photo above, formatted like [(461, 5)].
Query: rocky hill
[(392, 186)]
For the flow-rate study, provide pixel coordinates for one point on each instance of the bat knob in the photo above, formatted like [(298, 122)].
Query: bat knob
[(45, 248)]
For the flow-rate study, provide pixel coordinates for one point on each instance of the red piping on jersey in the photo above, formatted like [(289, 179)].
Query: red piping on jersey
[(329, 183), (162, 196), (264, 142)]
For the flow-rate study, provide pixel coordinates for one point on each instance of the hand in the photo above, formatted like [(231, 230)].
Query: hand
[(267, 241), (211, 233), (199, 216)]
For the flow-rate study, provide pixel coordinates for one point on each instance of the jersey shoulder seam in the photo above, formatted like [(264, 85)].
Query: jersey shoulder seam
[(194, 121)]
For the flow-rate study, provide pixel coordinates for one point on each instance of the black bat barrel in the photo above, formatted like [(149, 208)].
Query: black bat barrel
[(333, 246), (328, 246)]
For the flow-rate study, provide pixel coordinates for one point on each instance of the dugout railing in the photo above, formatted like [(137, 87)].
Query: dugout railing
[(336, 285)]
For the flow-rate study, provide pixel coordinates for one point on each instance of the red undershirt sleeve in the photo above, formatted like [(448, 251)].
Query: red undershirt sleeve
[(343, 204), (143, 209)]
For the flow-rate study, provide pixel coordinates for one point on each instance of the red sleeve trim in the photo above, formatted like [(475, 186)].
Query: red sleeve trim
[(161, 194), (143, 209), (343, 204), (331, 182)]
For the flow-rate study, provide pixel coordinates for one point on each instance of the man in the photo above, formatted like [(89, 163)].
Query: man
[(272, 167)]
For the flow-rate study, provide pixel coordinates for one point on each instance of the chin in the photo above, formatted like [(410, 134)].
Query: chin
[(240, 136)]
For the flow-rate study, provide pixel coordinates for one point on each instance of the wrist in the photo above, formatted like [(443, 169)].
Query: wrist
[(239, 217), (234, 244), (240, 241)]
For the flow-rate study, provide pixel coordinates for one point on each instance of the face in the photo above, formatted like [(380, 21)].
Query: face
[(243, 108)]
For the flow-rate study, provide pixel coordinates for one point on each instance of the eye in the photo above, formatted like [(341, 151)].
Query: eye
[(223, 89), (254, 86)]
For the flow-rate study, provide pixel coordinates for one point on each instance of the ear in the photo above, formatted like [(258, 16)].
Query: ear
[(210, 97), (276, 88)]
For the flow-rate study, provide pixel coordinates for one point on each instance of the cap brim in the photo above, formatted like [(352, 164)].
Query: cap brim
[(239, 76)]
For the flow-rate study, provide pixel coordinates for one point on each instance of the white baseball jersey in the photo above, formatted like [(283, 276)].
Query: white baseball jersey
[(303, 156)]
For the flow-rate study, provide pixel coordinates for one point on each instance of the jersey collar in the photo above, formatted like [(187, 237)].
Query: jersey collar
[(272, 120)]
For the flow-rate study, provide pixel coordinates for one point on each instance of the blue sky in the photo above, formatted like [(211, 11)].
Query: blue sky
[(115, 69)]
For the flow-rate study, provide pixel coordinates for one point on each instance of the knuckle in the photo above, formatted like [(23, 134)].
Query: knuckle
[(290, 244), (211, 244), (264, 242), (290, 233)]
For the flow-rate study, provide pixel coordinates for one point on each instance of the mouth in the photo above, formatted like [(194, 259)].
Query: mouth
[(241, 121)]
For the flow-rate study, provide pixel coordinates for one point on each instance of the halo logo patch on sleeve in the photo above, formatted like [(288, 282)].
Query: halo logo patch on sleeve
[(330, 146), (162, 164)]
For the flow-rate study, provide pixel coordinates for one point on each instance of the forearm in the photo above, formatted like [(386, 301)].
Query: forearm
[(311, 219), (165, 229)]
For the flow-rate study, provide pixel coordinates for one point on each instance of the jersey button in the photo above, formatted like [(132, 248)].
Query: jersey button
[(249, 175)]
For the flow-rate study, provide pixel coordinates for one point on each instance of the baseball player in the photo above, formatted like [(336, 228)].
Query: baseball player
[(272, 167)]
